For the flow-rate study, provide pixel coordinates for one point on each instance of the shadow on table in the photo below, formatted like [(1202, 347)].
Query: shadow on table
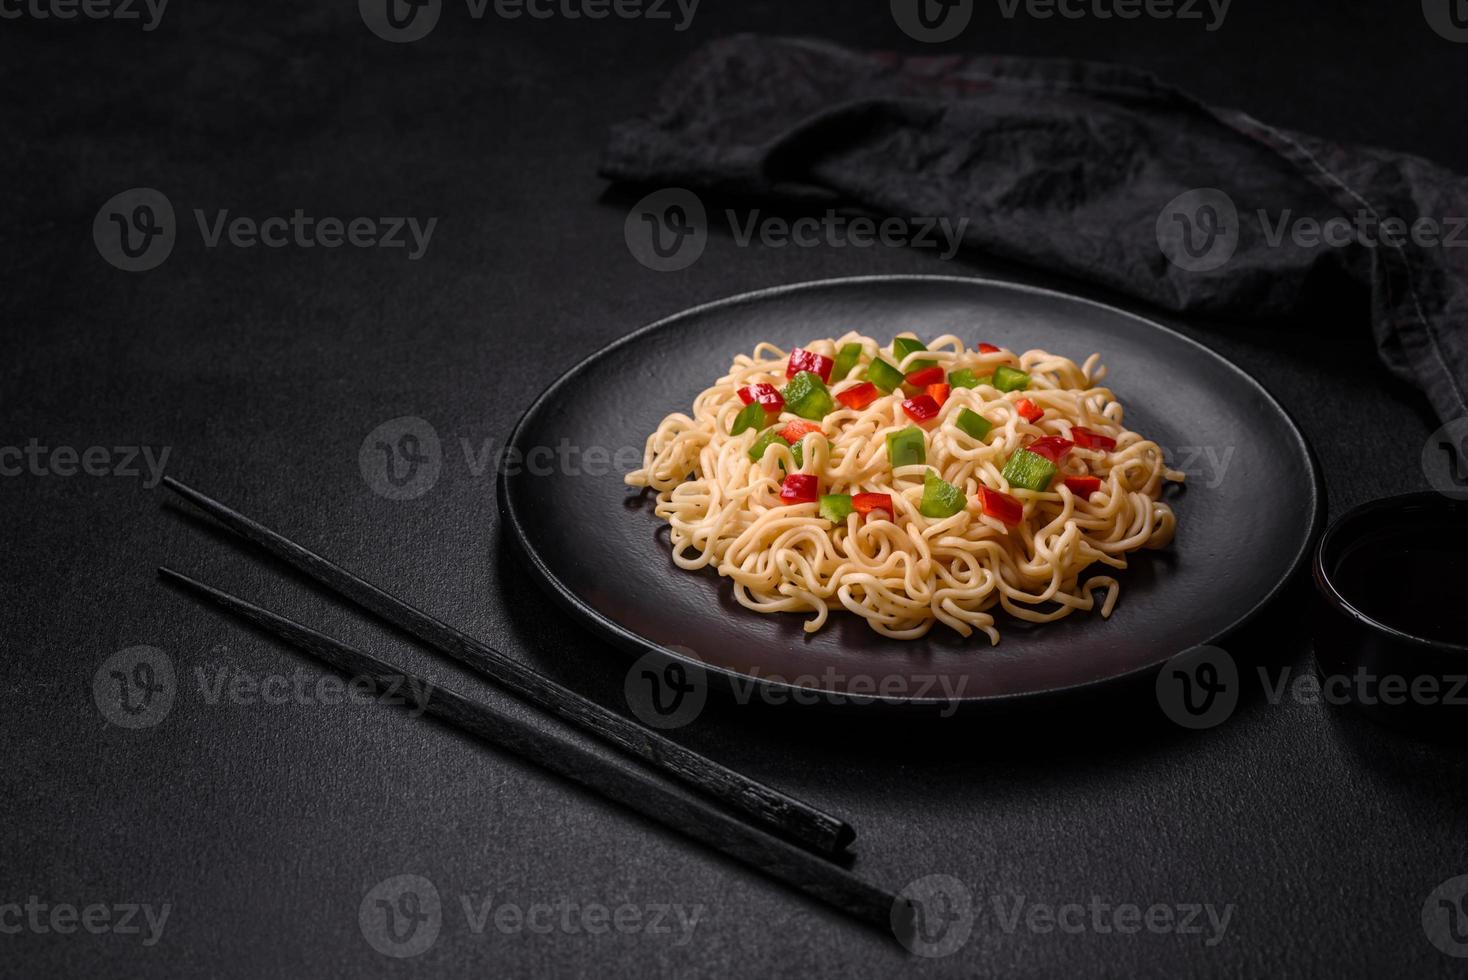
[(1107, 723)]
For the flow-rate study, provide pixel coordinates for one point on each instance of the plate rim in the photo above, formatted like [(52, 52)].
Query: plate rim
[(625, 638)]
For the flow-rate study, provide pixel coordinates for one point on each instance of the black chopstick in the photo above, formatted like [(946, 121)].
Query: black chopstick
[(641, 791), (769, 807)]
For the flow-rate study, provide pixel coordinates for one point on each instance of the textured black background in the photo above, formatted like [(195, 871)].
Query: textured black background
[(264, 370)]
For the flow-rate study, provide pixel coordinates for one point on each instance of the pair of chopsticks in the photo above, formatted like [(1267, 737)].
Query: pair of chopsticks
[(784, 838)]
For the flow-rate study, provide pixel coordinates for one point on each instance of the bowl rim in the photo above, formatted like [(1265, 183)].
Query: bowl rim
[(1351, 526)]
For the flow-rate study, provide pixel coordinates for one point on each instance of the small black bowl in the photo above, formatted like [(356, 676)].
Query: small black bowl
[(1391, 611)]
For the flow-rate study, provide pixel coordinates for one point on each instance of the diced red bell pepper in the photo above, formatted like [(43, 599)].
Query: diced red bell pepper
[(860, 396), (939, 393), (988, 349), (923, 377), (1088, 439), (1052, 448), (804, 360), (796, 430), (766, 394), (800, 488), (1083, 486), (1028, 410), (1001, 505), (865, 503), (920, 408)]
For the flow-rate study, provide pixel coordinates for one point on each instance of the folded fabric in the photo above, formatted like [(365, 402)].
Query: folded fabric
[(1097, 171)]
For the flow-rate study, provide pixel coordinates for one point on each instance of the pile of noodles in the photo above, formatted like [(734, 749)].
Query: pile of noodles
[(904, 574)]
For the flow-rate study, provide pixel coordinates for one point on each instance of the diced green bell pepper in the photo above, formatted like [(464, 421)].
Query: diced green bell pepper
[(1029, 471), (884, 375), (806, 396), (906, 448), (765, 441), (797, 451), (962, 378), (940, 499), (1007, 378), (846, 359), (836, 506), (751, 416), (903, 346), (973, 423)]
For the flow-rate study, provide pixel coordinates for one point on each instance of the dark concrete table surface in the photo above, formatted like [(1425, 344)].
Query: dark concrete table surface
[(261, 813)]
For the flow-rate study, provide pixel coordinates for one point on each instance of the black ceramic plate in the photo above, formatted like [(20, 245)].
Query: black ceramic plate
[(597, 546)]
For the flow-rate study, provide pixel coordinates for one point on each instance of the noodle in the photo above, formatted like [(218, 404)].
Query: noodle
[(904, 572)]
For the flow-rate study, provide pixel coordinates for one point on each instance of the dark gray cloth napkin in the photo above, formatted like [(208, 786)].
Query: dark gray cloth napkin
[(1098, 171)]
